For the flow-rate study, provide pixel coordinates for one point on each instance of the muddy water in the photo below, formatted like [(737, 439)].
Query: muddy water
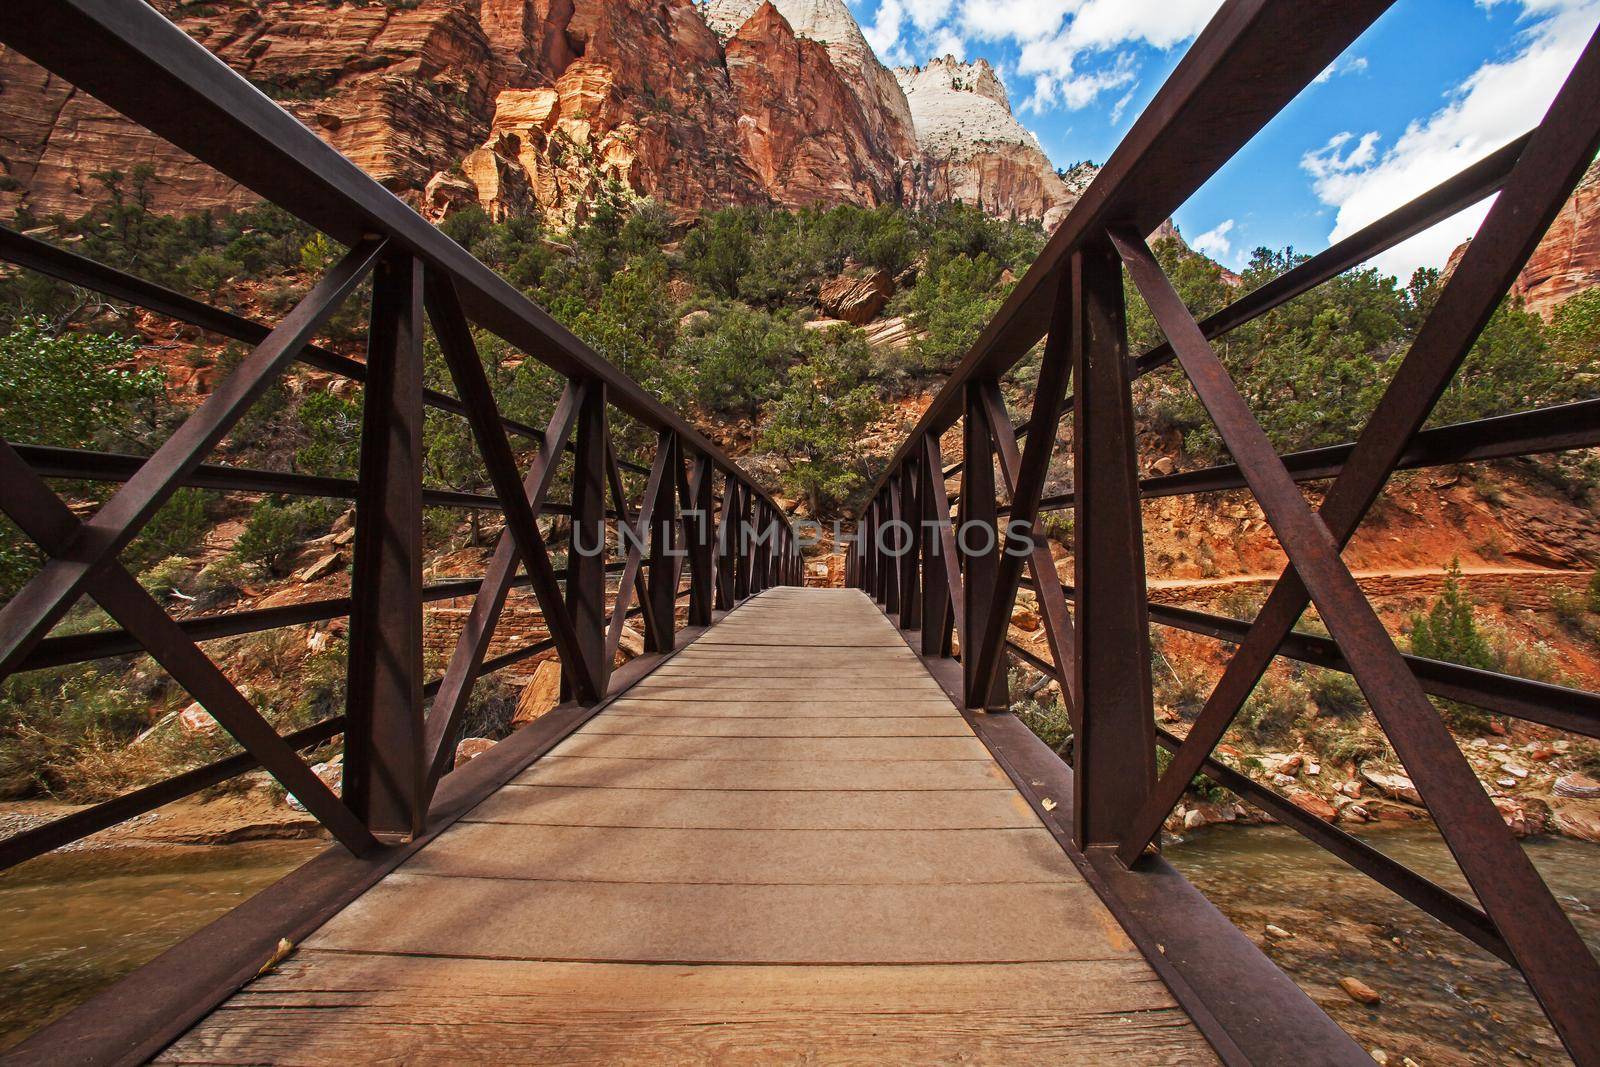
[(1445, 1001), (71, 923)]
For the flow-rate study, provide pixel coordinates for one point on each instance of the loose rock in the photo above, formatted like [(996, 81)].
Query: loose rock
[(539, 695), (1360, 992), (1577, 786), (471, 748)]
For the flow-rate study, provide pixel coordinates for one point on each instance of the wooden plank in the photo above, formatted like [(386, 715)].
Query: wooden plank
[(746, 857), (778, 694), (809, 809), (807, 749), (773, 809), (764, 683), (732, 705), (498, 918), (393, 1009), (764, 774), (630, 724)]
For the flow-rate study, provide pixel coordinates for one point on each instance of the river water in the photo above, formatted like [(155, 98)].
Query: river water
[(71, 923), (1445, 1001)]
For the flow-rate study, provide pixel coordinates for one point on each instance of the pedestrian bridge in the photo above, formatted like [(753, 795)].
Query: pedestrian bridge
[(803, 825)]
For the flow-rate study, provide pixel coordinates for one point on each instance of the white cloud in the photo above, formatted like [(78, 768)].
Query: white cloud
[(883, 33), (1215, 242), (1071, 51), (1060, 61), (947, 42), (1342, 65), (1121, 105), (1496, 103)]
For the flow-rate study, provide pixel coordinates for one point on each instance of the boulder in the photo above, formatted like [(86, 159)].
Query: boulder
[(1025, 620), (1577, 787), (1392, 784), (857, 300), (1524, 819), (322, 568), (1578, 819), (894, 334), (632, 643), (471, 748), (539, 695), (1312, 804)]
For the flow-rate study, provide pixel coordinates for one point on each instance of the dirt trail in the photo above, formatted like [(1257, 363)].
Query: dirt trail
[(1377, 575)]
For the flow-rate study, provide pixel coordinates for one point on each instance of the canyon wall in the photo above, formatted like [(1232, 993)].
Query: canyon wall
[(532, 106)]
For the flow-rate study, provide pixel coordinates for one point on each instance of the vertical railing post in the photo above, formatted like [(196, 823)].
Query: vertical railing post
[(911, 512), (978, 541), (868, 558), (385, 763), (894, 543), (935, 513), (1114, 752), (698, 515), (662, 582), (727, 539), (586, 555), (741, 543)]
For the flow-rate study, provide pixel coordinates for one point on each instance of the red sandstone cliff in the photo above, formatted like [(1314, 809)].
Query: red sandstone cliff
[(526, 106), (1567, 261)]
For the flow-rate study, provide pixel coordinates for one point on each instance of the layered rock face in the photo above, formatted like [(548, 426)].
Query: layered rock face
[(887, 115), (533, 106), (801, 127), (1567, 261), (974, 150), (395, 90)]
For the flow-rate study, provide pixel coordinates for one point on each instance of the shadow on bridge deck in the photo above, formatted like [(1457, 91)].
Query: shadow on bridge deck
[(784, 843)]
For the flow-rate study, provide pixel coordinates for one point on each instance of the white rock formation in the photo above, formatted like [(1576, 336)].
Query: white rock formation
[(973, 149)]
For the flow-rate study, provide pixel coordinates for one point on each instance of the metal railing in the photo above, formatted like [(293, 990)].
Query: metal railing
[(959, 593), (702, 531)]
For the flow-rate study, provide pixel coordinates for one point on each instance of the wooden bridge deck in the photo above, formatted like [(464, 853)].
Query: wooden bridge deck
[(784, 844)]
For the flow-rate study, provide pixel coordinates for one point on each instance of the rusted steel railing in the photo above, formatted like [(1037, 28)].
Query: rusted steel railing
[(703, 532), (958, 587)]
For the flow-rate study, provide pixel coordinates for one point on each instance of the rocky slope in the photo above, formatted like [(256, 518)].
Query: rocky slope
[(973, 149)]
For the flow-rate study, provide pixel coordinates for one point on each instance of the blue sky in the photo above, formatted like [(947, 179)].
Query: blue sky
[(1431, 87)]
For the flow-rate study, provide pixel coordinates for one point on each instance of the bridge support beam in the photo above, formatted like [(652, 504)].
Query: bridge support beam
[(978, 541), (1114, 750), (586, 555), (384, 769)]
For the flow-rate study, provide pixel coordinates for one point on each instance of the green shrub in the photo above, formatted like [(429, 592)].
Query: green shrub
[(1336, 694), (1049, 722), (1242, 602), (332, 429), (1569, 604), (176, 530), (49, 717), (74, 389), (818, 420), (276, 531), (1450, 632), (1594, 593), (1273, 708)]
